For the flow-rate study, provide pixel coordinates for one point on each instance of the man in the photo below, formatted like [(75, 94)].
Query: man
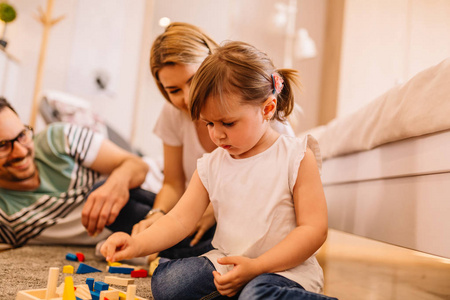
[(44, 181)]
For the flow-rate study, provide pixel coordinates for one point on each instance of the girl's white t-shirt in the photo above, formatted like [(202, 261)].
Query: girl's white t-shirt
[(253, 203), (175, 128)]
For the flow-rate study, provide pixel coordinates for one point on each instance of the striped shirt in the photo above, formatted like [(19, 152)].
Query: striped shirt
[(63, 154)]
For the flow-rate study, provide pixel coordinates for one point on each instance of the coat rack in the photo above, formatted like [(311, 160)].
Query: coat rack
[(45, 19)]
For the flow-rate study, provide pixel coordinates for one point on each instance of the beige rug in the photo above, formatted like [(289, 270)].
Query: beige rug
[(27, 268)]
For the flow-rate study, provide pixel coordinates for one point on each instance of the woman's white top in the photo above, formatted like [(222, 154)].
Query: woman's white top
[(253, 203), (175, 128)]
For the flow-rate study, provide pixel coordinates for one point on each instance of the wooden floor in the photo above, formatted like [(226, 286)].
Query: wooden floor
[(359, 268)]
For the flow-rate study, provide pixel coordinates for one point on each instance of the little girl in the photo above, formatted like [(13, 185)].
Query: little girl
[(265, 189)]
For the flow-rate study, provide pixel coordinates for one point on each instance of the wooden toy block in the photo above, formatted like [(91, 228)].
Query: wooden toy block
[(83, 269), (122, 295), (90, 283), (153, 265), (118, 280), (100, 286), (120, 270), (80, 256), (68, 269), (131, 291), (130, 266), (109, 295), (95, 295), (53, 274), (60, 290), (121, 265), (139, 273), (40, 295), (71, 256), (69, 291), (31, 294), (83, 292)]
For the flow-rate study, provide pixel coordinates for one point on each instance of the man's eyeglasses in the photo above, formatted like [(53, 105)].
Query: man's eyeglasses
[(25, 137)]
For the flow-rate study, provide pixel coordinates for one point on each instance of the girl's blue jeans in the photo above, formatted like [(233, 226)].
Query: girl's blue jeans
[(191, 278)]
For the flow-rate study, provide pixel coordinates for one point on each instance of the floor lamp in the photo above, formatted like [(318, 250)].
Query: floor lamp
[(47, 22)]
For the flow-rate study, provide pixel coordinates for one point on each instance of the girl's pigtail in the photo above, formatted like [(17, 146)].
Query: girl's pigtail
[(285, 97)]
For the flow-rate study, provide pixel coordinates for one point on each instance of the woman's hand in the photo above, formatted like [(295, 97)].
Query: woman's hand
[(206, 222), (244, 270), (144, 224), (119, 246)]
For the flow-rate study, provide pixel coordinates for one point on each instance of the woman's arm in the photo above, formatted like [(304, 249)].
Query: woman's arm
[(172, 189), (166, 232), (174, 179), (298, 245)]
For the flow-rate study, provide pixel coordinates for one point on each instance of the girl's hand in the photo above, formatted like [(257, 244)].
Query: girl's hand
[(119, 246), (244, 270)]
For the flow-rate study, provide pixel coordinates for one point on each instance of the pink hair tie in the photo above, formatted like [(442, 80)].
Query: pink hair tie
[(277, 82)]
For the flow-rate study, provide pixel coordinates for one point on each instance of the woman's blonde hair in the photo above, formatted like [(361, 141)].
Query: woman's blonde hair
[(240, 68), (181, 43)]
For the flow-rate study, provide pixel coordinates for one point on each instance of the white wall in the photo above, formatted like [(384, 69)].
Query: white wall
[(24, 37), (387, 42), (312, 16), (94, 35), (107, 42), (429, 32)]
